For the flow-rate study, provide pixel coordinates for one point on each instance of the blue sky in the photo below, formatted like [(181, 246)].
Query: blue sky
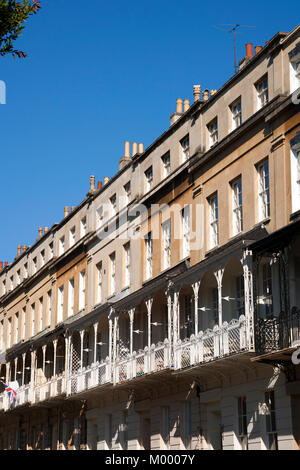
[(97, 74)]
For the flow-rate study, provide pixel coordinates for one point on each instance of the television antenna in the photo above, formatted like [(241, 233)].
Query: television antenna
[(233, 31)]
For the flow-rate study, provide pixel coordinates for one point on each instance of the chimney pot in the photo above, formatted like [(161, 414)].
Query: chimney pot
[(1, 265), (46, 230), (19, 250), (92, 183), (186, 105), (99, 185), (127, 149), (106, 179), (179, 105), (24, 248), (6, 264), (197, 92), (249, 50), (141, 148), (205, 94), (66, 211), (40, 232), (134, 148), (257, 49)]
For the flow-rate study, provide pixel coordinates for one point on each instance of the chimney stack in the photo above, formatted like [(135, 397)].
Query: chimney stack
[(6, 264), (92, 184), (1, 265), (249, 50), (24, 248), (106, 179), (124, 160), (213, 92), (46, 230), (175, 116), (197, 93), (66, 211), (257, 49), (186, 105), (40, 232), (141, 148), (19, 250), (99, 185)]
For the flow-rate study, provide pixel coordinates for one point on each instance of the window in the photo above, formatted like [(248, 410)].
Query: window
[(9, 336), (127, 191), (127, 264), (236, 111), (186, 231), (34, 265), (213, 132), (72, 237), (213, 221), (166, 427), (266, 300), (239, 301), (237, 207), (295, 174), (49, 306), (99, 283), (113, 205), (112, 262), (51, 250), (4, 287), (60, 304), (187, 427), (32, 319), (242, 423), (166, 163), (83, 227), (42, 258), (81, 291), (24, 323), (185, 148), (166, 229), (149, 179), (71, 298), (271, 420), (262, 92), (149, 252), (294, 56), (263, 190), (41, 314), (17, 328), (61, 245)]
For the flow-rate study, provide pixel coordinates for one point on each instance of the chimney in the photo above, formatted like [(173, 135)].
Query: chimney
[(197, 93), (257, 49), (46, 230), (213, 92), (24, 248), (66, 211), (1, 265), (124, 160), (40, 232), (134, 148), (73, 208), (186, 105), (141, 148), (175, 116), (19, 250), (106, 179), (6, 264), (205, 94), (99, 185), (249, 51)]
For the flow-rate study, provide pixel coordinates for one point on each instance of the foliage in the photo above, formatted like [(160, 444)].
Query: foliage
[(13, 15)]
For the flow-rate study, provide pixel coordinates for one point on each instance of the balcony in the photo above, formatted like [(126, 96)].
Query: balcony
[(278, 332)]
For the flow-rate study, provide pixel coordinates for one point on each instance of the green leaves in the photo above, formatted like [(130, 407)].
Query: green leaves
[(13, 15)]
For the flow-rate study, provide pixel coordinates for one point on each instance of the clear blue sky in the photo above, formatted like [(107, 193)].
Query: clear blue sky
[(99, 73)]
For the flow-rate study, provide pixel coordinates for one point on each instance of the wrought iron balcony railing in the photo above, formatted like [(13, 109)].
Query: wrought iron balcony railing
[(278, 332)]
